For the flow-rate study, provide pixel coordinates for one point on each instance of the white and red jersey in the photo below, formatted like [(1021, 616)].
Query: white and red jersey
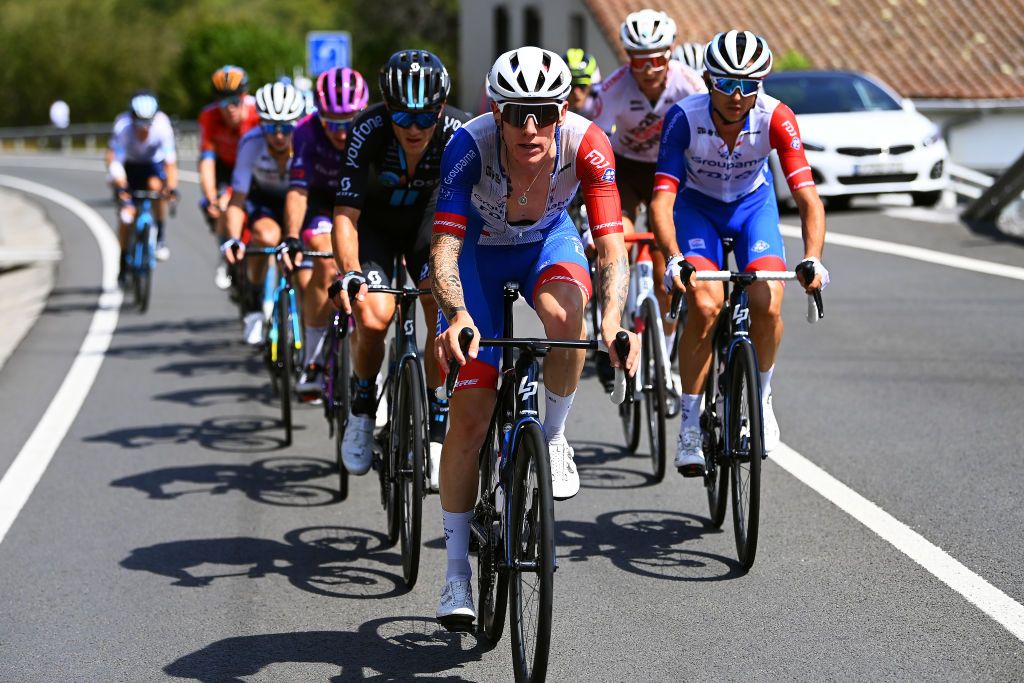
[(637, 123), (693, 154), (474, 186)]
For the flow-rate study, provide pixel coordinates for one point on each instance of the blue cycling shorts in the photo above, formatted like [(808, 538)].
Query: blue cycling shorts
[(751, 221), (484, 270), (139, 173)]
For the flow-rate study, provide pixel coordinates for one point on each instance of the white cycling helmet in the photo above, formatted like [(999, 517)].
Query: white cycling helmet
[(738, 54), (647, 30), (143, 106), (690, 54), (280, 103), (529, 73)]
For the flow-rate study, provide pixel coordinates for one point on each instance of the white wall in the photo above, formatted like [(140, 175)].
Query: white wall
[(477, 48), (989, 141)]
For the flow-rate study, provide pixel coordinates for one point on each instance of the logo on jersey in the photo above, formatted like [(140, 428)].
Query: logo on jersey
[(460, 166), (696, 243), (389, 179), (760, 246), (795, 144), (445, 194), (609, 175), (597, 159)]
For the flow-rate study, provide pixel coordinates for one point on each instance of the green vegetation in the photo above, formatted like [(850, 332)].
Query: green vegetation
[(792, 60), (94, 53)]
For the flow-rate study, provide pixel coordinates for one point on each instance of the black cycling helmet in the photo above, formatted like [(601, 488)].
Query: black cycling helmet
[(413, 80)]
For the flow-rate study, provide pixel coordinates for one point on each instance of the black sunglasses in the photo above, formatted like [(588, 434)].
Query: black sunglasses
[(518, 114)]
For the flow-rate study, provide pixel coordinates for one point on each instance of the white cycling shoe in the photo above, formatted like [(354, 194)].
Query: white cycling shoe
[(221, 278), (435, 466), (565, 480), (357, 444), (253, 328), (455, 610), (772, 437), (690, 452)]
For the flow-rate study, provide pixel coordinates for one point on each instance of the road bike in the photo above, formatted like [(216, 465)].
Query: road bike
[(513, 523), (731, 421), (141, 252)]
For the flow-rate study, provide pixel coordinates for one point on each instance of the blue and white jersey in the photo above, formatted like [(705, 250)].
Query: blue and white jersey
[(256, 165), (157, 146)]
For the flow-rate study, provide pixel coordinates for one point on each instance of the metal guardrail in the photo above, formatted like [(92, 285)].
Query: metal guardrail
[(90, 137), (967, 182)]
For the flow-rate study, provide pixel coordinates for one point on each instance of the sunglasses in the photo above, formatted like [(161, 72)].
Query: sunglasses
[(656, 62), (275, 128), (517, 114), (422, 120), (232, 101), (727, 86), (335, 126), (141, 124)]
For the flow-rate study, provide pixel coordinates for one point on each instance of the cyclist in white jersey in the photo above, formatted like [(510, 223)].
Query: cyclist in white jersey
[(142, 156), (713, 181), (259, 183)]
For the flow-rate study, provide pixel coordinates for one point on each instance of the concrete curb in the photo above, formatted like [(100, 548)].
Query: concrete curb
[(29, 254)]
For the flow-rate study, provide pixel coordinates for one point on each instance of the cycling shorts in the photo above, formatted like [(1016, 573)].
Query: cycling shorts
[(635, 182), (139, 173), (384, 236), (223, 172), (263, 205), (484, 270), (751, 221)]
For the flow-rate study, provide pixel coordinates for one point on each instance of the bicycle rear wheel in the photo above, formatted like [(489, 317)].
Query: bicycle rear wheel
[(716, 479), (285, 344), (492, 582), (143, 269), (410, 426), (532, 526), (654, 376), (746, 448)]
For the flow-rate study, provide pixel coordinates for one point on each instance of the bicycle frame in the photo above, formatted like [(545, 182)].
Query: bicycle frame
[(144, 238), (641, 289)]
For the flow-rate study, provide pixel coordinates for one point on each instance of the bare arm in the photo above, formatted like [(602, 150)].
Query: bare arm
[(236, 215), (208, 179), (294, 211), (172, 175), (613, 261), (663, 224), (444, 267), (345, 238), (812, 220)]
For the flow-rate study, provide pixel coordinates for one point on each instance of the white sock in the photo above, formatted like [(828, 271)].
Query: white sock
[(689, 405), (670, 340), (313, 344), (556, 411), (456, 539), (766, 384)]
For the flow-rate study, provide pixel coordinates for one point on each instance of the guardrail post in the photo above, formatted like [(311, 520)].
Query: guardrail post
[(90, 143)]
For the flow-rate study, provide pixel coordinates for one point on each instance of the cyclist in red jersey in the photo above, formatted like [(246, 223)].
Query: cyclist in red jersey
[(221, 125)]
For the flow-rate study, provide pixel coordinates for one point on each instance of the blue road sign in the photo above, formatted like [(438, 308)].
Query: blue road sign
[(327, 49)]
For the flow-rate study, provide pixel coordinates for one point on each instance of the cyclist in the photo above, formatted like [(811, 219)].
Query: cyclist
[(221, 125), (634, 100), (585, 75), (142, 156), (690, 54), (389, 213), (507, 178), (715, 149), (319, 144), (258, 186)]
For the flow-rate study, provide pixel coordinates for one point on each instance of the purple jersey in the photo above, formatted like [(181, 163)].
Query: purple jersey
[(316, 162)]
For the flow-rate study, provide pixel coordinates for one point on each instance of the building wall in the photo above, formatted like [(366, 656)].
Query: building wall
[(477, 39), (985, 140)]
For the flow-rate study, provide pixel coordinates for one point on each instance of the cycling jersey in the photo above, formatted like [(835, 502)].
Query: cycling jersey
[(692, 152), (637, 123), (256, 170), (316, 162), (157, 147), (219, 141), (475, 188)]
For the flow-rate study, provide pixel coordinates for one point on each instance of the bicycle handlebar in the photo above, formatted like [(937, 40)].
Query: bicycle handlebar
[(622, 351), (815, 307)]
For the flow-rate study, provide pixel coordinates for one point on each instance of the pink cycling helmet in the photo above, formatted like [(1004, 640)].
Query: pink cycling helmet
[(341, 92)]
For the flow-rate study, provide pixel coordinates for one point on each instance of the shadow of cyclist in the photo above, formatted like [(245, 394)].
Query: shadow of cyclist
[(275, 481), (233, 434), (387, 649), (592, 460), (649, 543)]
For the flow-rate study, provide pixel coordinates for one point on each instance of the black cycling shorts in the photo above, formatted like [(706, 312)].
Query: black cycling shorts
[(384, 236)]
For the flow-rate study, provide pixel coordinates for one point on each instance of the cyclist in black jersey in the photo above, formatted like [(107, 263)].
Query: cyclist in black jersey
[(384, 209)]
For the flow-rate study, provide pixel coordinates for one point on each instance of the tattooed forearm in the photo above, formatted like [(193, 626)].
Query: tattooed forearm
[(444, 267), (614, 285)]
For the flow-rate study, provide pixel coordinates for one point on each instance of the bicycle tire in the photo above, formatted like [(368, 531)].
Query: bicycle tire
[(389, 460), (532, 526), (654, 388), (717, 476), (143, 272), (629, 415), (342, 372), (410, 426), (285, 344), (746, 445), (492, 583)]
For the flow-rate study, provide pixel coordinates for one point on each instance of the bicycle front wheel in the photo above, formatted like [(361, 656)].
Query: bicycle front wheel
[(143, 270), (410, 426), (654, 376), (746, 448), (716, 479), (629, 414), (342, 372), (492, 582), (532, 526), (285, 343)]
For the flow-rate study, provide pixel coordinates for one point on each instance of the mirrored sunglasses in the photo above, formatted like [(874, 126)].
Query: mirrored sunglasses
[(275, 128), (517, 114), (423, 119), (728, 86), (656, 62), (232, 101), (335, 126)]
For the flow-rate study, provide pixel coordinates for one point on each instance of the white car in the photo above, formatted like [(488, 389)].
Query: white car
[(861, 138)]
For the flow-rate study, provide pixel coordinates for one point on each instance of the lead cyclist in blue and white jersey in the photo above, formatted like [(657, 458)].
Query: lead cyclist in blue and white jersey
[(507, 178), (259, 183), (713, 181)]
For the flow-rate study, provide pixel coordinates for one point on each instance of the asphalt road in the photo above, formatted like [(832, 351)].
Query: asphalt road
[(172, 536)]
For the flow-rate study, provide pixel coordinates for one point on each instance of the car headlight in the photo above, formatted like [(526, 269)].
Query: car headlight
[(934, 137), (813, 147)]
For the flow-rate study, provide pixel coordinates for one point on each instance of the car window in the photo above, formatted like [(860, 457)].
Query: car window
[(829, 93)]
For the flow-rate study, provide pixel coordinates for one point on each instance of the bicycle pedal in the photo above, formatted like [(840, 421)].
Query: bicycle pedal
[(691, 470)]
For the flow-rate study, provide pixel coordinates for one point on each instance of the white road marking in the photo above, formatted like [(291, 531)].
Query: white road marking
[(983, 595), (915, 253), (24, 473)]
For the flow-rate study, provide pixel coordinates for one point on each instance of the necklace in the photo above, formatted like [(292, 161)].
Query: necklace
[(522, 201)]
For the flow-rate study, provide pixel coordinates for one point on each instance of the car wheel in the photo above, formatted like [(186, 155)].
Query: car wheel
[(926, 198), (839, 202)]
